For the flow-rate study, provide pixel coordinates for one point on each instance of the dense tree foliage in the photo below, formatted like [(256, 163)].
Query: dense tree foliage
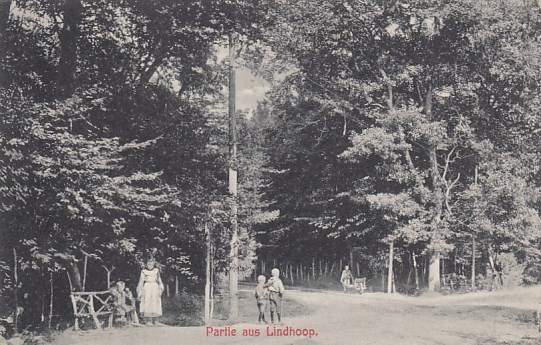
[(401, 132), (113, 141), (440, 111)]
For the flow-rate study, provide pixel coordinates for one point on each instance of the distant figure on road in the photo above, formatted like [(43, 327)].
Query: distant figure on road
[(150, 290), (276, 291), (262, 297), (347, 278)]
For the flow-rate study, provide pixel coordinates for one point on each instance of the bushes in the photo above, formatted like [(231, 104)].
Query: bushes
[(511, 272), (183, 310)]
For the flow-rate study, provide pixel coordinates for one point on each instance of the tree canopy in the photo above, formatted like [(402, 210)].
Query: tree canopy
[(403, 131)]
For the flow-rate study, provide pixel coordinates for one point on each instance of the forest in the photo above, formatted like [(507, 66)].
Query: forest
[(400, 137)]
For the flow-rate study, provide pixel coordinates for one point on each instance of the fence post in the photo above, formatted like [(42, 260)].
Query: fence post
[(93, 311)]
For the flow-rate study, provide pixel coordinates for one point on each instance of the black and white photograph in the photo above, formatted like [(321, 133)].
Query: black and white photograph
[(331, 172)]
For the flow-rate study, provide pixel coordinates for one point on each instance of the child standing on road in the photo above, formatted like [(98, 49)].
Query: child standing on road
[(276, 291), (262, 297)]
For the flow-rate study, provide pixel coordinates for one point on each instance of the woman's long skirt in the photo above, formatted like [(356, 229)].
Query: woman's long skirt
[(151, 301)]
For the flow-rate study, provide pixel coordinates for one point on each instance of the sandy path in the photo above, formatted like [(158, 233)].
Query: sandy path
[(341, 319)]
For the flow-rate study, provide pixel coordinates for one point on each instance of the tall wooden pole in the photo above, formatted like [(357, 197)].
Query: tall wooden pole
[(207, 274), (211, 299), (234, 253)]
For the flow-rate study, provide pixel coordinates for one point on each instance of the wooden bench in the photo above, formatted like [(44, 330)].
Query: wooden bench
[(360, 284), (92, 304)]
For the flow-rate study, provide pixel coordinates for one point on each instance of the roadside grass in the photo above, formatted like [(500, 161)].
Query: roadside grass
[(525, 341), (481, 313)]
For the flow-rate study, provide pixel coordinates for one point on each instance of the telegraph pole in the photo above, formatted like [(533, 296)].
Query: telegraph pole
[(208, 285), (234, 253)]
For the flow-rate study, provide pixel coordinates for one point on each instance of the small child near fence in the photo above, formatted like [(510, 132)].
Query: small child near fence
[(121, 295), (262, 297)]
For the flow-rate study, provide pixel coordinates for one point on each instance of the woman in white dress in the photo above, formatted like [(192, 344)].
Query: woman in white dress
[(150, 290)]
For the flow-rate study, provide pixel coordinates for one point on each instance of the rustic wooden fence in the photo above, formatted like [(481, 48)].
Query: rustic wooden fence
[(92, 304)]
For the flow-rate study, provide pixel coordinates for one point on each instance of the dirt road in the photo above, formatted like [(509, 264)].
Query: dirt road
[(354, 319)]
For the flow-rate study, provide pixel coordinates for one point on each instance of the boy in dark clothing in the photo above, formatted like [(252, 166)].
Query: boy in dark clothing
[(262, 297), (276, 290)]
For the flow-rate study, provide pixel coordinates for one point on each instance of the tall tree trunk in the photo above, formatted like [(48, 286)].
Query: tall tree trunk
[(390, 272), (434, 272), (234, 251), (435, 258), (42, 313), (473, 263), (437, 196), (416, 270), (74, 275), (473, 285), (68, 36), (291, 274), (443, 272), (85, 264), (495, 273), (425, 267), (408, 280), (16, 290), (72, 270), (51, 302)]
